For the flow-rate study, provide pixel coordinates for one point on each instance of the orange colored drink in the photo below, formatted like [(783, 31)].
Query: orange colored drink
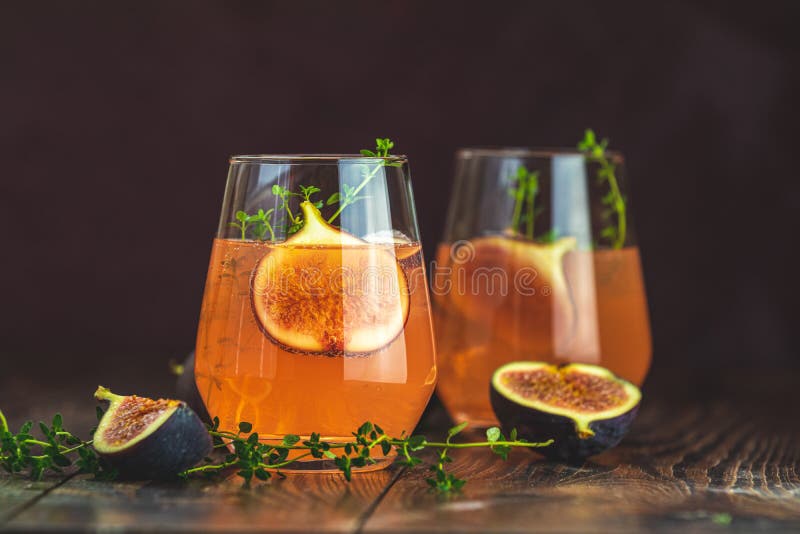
[(246, 373), (588, 306)]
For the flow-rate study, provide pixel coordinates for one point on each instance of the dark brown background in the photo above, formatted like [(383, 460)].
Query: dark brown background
[(116, 120)]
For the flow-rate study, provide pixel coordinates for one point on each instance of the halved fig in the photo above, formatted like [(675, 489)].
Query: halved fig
[(324, 291), (585, 408), (149, 439), (516, 287)]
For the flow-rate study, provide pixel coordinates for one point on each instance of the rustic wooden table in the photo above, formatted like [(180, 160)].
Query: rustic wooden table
[(713, 453)]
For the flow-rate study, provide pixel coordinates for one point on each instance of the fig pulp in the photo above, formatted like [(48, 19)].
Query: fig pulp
[(585, 408), (517, 288), (324, 291), (147, 439)]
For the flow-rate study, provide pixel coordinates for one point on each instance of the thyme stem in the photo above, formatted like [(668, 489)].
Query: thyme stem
[(531, 214), (254, 455), (519, 194), (596, 152), (489, 444), (404, 444), (526, 185), (364, 182)]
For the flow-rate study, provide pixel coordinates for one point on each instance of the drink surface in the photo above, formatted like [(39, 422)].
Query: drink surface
[(602, 319), (244, 375)]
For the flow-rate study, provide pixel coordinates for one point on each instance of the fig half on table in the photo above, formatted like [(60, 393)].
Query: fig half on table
[(585, 408), (148, 439)]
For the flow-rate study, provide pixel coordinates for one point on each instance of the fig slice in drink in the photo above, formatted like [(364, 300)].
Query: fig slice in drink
[(324, 291), (518, 288)]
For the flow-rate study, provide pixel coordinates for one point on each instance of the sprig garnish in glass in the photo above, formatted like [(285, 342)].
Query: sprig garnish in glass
[(523, 191), (56, 450), (613, 200), (259, 222), (350, 195), (294, 222), (284, 217), (254, 459)]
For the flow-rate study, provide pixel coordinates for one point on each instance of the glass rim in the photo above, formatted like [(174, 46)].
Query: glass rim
[(527, 152), (319, 159)]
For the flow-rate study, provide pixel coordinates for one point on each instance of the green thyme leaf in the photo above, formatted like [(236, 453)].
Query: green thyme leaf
[(493, 434), (456, 429)]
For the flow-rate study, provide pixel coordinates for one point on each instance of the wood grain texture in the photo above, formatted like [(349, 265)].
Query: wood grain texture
[(725, 444), (684, 462), (297, 503), (17, 494)]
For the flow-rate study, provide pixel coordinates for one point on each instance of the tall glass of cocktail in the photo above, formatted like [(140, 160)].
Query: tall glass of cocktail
[(539, 262), (316, 316)]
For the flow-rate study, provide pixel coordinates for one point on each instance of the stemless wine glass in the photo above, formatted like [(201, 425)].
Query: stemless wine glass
[(315, 317), (538, 262)]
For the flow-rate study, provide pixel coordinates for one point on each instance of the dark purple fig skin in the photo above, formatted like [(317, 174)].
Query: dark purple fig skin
[(178, 444), (186, 390), (537, 426)]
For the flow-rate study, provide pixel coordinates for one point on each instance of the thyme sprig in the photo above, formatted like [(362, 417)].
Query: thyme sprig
[(613, 200), (259, 222), (523, 191), (349, 195), (293, 222), (253, 458), (56, 450), (263, 222)]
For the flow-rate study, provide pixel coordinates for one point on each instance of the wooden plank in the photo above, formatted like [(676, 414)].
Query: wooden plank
[(692, 454), (37, 394), (17, 493), (33, 393), (298, 503), (680, 467)]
